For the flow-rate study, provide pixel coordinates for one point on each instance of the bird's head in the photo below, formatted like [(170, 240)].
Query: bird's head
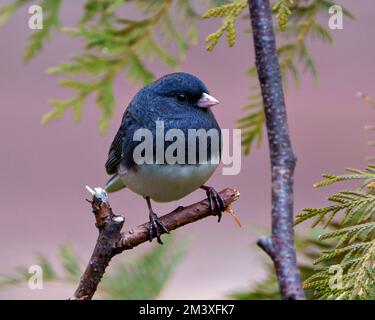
[(183, 90)]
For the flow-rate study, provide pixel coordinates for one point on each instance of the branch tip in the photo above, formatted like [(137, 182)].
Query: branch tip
[(98, 193), (92, 192), (265, 243), (118, 219)]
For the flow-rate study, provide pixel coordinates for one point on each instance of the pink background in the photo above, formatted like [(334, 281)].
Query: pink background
[(43, 169)]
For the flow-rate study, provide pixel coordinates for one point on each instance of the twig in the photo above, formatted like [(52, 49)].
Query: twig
[(280, 247), (112, 241)]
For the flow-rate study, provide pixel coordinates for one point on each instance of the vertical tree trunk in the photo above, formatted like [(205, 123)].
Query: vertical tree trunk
[(280, 246)]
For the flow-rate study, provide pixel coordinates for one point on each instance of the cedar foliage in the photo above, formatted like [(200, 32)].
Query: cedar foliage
[(344, 256), (142, 278), (353, 255), (354, 249), (112, 44), (308, 248), (298, 23)]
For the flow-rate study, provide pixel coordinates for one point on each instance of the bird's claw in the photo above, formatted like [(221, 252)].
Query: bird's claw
[(156, 227), (216, 203)]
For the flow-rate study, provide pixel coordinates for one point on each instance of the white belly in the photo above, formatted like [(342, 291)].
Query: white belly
[(164, 183)]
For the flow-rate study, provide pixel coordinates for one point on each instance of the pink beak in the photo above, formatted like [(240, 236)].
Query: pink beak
[(207, 101)]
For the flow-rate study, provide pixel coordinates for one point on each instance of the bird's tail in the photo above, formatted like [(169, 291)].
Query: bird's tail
[(114, 184)]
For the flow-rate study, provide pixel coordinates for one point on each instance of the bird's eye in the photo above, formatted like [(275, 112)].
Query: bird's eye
[(181, 97)]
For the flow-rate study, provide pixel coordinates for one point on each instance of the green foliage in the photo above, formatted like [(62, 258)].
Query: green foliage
[(8, 10), (253, 122), (266, 289), (229, 12), (145, 277), (22, 275), (70, 263), (38, 37), (299, 22), (354, 238), (50, 21), (113, 44), (282, 9), (308, 249), (294, 57), (142, 278), (368, 175)]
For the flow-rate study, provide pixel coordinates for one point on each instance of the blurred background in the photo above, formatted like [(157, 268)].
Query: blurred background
[(43, 169)]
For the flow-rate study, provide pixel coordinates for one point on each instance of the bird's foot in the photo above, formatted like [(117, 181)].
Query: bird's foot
[(216, 202), (156, 228)]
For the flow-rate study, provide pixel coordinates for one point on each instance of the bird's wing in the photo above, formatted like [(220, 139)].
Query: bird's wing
[(116, 151)]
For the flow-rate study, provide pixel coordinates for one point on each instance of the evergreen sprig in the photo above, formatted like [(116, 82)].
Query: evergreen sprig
[(143, 278), (50, 21), (283, 11), (229, 12), (7, 11), (354, 251), (39, 36), (367, 175), (294, 58), (298, 22), (113, 44), (308, 248)]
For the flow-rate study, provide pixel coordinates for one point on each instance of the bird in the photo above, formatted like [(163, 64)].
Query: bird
[(180, 101)]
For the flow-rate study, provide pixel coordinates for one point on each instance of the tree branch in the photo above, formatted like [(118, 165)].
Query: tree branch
[(280, 246), (111, 241)]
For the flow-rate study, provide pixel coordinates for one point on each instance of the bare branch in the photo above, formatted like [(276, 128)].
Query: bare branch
[(280, 246), (112, 241)]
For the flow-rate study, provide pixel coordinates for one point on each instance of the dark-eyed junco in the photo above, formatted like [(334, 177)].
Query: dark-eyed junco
[(176, 101)]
